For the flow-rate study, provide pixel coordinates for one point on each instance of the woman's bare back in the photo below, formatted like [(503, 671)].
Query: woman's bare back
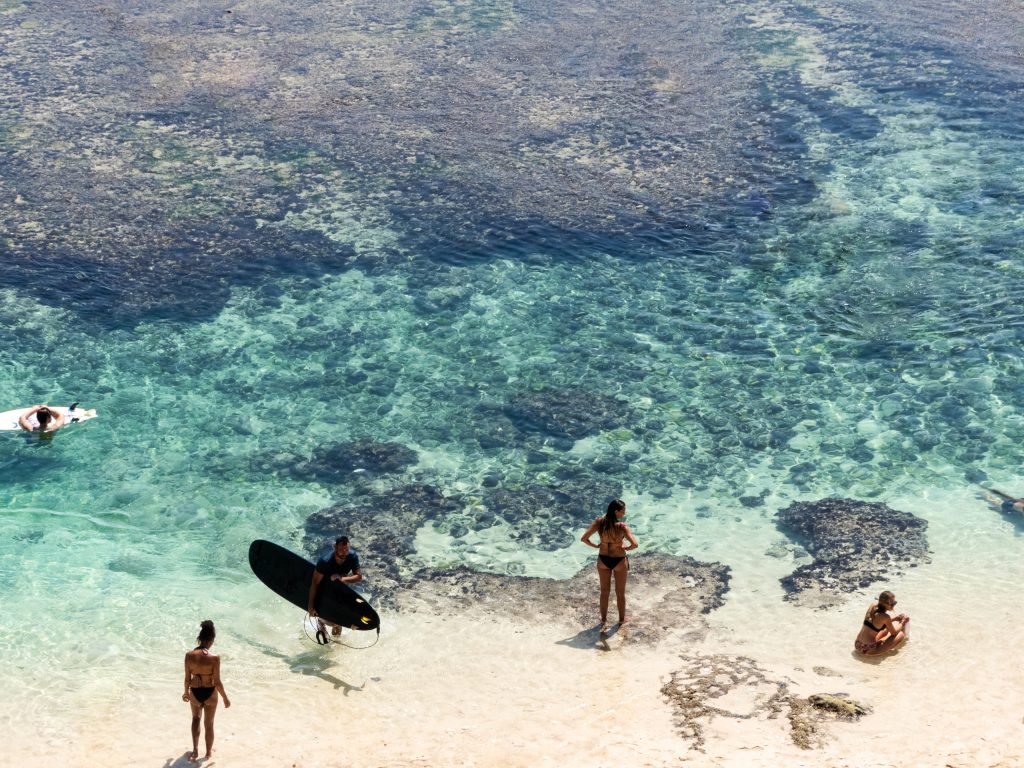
[(611, 542), (201, 666)]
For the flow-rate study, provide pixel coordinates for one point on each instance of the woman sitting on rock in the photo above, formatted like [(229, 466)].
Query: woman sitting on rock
[(881, 633)]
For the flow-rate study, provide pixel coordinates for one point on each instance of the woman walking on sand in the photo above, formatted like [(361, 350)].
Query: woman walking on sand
[(879, 633), (612, 558), (202, 684)]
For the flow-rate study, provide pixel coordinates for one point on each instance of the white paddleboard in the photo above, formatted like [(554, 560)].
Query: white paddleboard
[(9, 419)]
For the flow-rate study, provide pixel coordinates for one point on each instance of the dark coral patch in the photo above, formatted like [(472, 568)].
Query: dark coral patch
[(854, 544), (360, 456), (566, 413)]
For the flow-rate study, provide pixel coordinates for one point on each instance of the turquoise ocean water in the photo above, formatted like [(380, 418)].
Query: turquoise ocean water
[(758, 249)]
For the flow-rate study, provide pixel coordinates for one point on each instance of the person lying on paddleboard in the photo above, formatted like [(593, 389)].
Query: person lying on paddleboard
[(343, 566), (1006, 503), (40, 418)]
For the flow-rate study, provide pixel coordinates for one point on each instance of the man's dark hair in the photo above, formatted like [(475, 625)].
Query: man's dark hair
[(341, 540)]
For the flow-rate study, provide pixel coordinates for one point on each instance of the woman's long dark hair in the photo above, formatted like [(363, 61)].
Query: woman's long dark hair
[(610, 519), (206, 633)]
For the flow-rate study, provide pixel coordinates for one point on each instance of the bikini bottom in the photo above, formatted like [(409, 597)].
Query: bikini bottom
[(202, 694), (609, 561)]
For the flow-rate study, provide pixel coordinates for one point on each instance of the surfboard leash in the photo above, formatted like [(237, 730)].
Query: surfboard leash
[(321, 637)]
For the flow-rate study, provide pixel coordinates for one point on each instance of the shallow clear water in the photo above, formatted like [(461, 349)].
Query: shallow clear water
[(779, 251)]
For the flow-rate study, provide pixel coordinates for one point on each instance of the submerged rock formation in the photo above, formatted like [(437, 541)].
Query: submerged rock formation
[(382, 527), (549, 516), (342, 462), (854, 544), (370, 456), (566, 413)]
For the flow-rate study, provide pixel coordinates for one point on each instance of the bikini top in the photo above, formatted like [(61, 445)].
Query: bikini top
[(206, 652), (869, 624)]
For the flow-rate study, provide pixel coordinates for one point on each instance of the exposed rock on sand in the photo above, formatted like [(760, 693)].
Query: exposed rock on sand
[(721, 686), (737, 687), (808, 716), (854, 544), (666, 593)]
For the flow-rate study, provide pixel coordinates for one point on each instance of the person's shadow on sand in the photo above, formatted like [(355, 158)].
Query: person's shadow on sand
[(313, 663), (185, 762), (591, 638), (879, 658)]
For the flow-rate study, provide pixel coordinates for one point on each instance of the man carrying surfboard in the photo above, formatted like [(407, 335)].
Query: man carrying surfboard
[(41, 418), (343, 566)]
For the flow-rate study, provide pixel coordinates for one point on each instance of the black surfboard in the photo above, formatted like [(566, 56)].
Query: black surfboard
[(289, 575)]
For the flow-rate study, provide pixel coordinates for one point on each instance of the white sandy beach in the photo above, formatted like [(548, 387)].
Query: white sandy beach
[(480, 690)]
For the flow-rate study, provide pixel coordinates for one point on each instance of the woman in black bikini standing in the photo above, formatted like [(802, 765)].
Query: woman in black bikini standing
[(611, 558), (202, 684)]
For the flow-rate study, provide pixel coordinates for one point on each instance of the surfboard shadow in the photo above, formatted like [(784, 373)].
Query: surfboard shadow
[(310, 663)]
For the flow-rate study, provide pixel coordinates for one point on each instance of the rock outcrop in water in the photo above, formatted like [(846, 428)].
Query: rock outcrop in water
[(854, 544)]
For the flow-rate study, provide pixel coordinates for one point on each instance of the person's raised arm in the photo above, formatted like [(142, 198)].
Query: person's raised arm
[(585, 538), (23, 420), (317, 576), (218, 684)]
